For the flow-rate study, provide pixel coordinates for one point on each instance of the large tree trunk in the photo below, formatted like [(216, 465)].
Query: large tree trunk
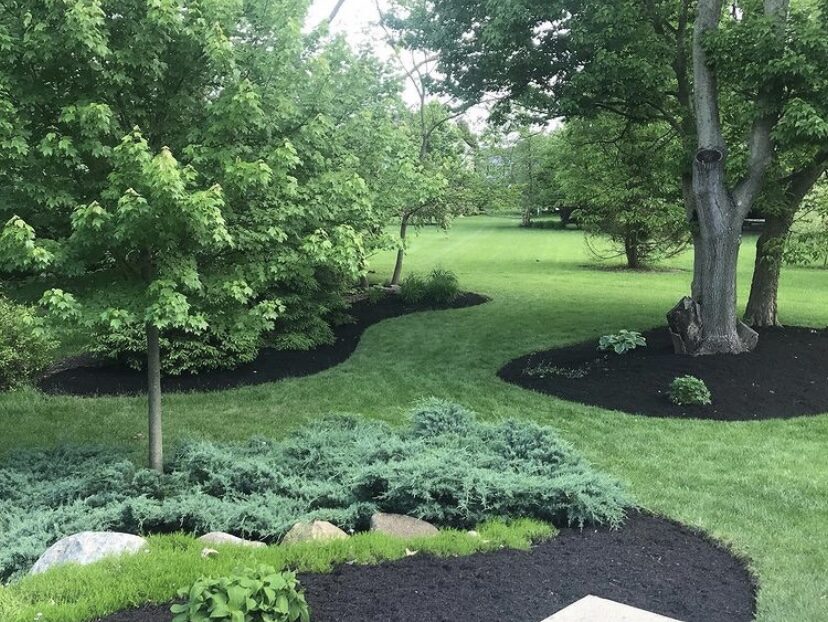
[(156, 446), (398, 265), (717, 251)]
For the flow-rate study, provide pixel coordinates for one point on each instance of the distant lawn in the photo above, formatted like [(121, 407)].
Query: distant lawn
[(762, 487)]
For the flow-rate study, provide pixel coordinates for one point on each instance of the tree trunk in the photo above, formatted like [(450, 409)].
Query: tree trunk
[(717, 251), (156, 446), (721, 211), (398, 266), (526, 217), (762, 307), (632, 251)]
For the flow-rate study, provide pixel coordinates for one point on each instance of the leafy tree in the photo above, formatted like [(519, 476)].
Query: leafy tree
[(432, 162), (623, 178), (256, 223), (565, 58), (152, 231)]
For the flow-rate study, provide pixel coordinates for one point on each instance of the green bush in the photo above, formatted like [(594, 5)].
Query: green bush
[(689, 391), (445, 467), (622, 342), (261, 595), (439, 287), (25, 348)]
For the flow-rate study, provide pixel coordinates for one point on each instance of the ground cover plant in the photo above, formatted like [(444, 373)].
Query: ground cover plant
[(81, 594), (739, 481), (446, 467)]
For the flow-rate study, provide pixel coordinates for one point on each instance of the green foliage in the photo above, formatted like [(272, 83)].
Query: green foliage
[(445, 466), (25, 345), (807, 244), (376, 294), (439, 287), (251, 233), (623, 180), (622, 342), (260, 595), (689, 391)]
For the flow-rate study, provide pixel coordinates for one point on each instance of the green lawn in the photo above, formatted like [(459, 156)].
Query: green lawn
[(762, 487)]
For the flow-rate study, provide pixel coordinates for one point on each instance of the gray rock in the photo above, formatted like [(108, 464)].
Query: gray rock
[(88, 547), (219, 537), (318, 530), (402, 526)]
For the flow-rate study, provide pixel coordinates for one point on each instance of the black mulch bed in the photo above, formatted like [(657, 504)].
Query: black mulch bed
[(784, 377), (117, 379), (650, 563)]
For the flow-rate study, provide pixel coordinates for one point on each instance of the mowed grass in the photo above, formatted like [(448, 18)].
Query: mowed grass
[(761, 487)]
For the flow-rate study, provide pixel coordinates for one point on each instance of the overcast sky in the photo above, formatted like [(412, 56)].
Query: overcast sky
[(357, 20)]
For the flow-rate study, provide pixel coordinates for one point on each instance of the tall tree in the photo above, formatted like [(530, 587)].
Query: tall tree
[(565, 58)]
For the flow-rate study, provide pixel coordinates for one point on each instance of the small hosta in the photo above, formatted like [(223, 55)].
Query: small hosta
[(622, 342), (689, 391)]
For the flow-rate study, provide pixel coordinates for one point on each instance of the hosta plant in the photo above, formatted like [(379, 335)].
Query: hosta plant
[(260, 595), (689, 391), (622, 342)]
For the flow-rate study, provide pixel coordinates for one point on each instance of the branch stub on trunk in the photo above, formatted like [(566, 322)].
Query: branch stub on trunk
[(709, 156)]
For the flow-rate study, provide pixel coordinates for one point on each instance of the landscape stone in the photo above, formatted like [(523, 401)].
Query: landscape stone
[(219, 537), (319, 530), (88, 547), (402, 526), (594, 609)]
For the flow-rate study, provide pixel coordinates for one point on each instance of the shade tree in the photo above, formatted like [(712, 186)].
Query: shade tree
[(649, 61)]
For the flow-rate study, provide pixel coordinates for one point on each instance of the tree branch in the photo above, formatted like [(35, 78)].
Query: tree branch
[(767, 104)]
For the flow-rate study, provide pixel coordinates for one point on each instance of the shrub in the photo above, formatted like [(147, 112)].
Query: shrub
[(439, 287), (261, 595), (445, 466), (689, 391), (25, 347), (622, 342)]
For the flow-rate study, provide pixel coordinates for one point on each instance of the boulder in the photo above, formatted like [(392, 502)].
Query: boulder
[(221, 538), (401, 526), (88, 547), (318, 530)]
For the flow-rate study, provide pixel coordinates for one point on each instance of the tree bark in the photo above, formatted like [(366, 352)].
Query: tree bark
[(763, 307), (717, 251), (156, 445), (398, 265)]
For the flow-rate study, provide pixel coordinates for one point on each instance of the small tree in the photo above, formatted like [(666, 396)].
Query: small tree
[(623, 177), (142, 253)]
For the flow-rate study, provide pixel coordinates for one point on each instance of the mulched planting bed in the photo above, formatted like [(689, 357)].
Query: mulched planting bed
[(784, 377), (116, 379), (650, 563)]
